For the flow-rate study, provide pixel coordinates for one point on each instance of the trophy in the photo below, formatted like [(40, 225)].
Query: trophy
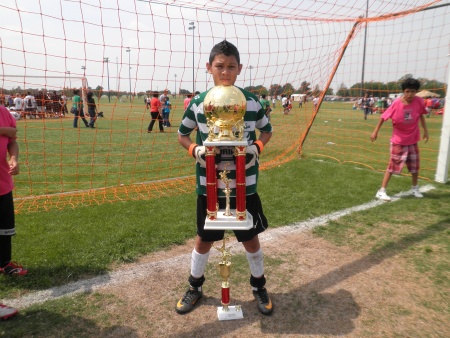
[(224, 108), (226, 312)]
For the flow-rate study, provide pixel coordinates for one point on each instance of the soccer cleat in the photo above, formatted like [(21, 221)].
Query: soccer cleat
[(7, 311), (381, 195), (264, 303), (13, 268), (188, 301), (416, 193)]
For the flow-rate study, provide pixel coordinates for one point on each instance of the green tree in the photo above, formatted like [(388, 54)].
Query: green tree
[(343, 91), (304, 88)]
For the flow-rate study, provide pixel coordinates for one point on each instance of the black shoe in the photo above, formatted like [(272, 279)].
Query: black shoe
[(264, 303), (188, 301)]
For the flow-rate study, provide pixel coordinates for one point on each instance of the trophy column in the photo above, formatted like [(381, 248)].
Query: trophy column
[(226, 219), (211, 183), (240, 152)]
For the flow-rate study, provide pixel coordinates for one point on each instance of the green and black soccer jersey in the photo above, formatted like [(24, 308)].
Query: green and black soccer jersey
[(254, 118)]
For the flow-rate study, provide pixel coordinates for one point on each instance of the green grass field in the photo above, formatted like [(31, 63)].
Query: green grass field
[(56, 158), (60, 246)]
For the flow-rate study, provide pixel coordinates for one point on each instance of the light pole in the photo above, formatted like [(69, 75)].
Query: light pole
[(129, 68), (175, 93), (192, 27), (106, 60), (84, 70), (364, 50), (250, 67), (70, 82)]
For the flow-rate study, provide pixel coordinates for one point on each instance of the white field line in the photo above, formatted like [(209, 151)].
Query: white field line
[(146, 269)]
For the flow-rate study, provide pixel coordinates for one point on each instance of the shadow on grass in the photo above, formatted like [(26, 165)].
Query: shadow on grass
[(34, 323), (310, 310)]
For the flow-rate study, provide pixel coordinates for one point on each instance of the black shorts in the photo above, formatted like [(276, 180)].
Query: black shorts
[(7, 215), (254, 207)]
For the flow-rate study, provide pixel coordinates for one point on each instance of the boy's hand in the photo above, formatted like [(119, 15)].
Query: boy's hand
[(9, 132), (199, 155), (425, 136), (374, 136), (13, 167)]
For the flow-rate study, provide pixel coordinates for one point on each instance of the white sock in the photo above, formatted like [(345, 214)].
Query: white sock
[(382, 189), (198, 263), (256, 262)]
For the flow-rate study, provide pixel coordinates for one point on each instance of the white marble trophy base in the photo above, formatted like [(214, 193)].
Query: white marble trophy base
[(233, 312), (228, 222)]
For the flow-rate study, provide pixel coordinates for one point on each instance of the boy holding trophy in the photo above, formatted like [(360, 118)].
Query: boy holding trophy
[(224, 66)]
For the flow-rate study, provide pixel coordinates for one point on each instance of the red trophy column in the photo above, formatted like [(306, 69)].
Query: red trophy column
[(211, 183), (241, 211)]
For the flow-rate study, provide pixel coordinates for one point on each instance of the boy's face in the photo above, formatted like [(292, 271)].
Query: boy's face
[(224, 70), (408, 94)]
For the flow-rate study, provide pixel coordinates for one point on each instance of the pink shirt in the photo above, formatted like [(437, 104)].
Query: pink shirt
[(6, 181), (186, 102), (405, 120)]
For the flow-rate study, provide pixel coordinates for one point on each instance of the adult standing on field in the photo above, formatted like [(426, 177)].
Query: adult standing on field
[(162, 97), (365, 105), (405, 114), (187, 100), (92, 109), (77, 109), (18, 103), (155, 112)]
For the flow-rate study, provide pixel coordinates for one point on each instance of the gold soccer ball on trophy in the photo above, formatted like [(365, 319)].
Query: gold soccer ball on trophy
[(225, 107)]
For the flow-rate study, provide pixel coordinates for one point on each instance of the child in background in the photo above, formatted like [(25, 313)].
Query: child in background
[(166, 112), (8, 145), (405, 114)]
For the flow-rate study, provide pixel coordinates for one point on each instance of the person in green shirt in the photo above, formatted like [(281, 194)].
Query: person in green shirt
[(224, 66), (77, 109)]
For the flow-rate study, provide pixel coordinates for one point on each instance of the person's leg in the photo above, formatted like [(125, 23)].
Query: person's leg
[(7, 229), (152, 122), (386, 179), (75, 118), (84, 119), (199, 259), (160, 121)]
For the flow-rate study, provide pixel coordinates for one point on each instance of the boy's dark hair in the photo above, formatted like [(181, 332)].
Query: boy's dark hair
[(410, 84), (155, 94), (189, 95), (263, 96), (76, 92), (225, 48), (90, 95)]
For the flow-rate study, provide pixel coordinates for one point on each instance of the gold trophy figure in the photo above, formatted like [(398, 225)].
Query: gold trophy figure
[(226, 312), (224, 178)]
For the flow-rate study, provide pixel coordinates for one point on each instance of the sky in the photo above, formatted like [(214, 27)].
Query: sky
[(149, 45)]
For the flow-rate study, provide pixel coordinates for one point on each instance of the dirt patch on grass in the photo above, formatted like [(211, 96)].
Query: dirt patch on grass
[(318, 290)]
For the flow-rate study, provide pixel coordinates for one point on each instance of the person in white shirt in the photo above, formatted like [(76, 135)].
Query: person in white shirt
[(18, 103)]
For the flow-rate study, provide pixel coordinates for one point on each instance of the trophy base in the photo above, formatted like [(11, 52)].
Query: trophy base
[(225, 143), (229, 222), (233, 312)]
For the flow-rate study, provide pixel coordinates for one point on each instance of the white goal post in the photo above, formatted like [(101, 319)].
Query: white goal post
[(444, 148)]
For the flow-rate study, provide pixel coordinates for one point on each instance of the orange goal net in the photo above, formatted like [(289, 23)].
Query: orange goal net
[(322, 55)]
